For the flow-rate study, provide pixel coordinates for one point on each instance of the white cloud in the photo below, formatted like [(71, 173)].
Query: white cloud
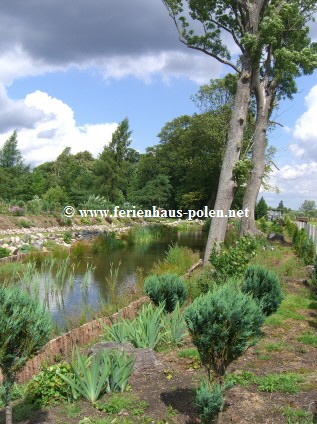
[(305, 131), (197, 67), (296, 184), (56, 130)]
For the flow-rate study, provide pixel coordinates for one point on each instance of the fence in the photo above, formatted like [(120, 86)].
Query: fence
[(311, 231), (65, 343)]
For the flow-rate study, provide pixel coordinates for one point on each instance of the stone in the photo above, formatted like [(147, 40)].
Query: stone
[(144, 358), (276, 237)]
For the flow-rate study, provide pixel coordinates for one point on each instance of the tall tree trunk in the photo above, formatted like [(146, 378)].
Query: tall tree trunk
[(227, 185), (264, 103), (9, 413)]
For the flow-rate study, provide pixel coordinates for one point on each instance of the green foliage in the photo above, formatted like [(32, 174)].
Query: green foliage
[(67, 238), (178, 260), (265, 288), (106, 243), (202, 282), (24, 328), (261, 209), (48, 386), (285, 382), (210, 401), (223, 324), (97, 374), (17, 393), (4, 252), (150, 327), (308, 338), (303, 245), (23, 223), (308, 205), (314, 273), (167, 288), (174, 326), (233, 261), (264, 225), (243, 378), (123, 402)]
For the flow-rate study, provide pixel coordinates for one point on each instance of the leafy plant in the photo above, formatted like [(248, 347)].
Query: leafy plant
[(48, 386), (264, 286), (67, 237), (24, 223), (97, 374), (4, 252), (167, 288), (144, 331), (175, 327), (233, 261), (285, 383)]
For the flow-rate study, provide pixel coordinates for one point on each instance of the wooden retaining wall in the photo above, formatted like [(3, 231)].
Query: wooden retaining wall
[(80, 336)]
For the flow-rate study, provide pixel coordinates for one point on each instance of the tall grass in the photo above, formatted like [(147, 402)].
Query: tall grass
[(178, 260), (145, 234), (106, 243)]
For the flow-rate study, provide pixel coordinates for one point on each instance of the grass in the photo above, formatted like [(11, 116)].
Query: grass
[(119, 402), (106, 243), (190, 353), (296, 415), (177, 261), (309, 339), (288, 382), (284, 382)]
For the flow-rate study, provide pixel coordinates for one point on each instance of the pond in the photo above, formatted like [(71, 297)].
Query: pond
[(87, 284)]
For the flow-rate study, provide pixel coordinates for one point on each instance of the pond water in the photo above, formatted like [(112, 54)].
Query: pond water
[(88, 289)]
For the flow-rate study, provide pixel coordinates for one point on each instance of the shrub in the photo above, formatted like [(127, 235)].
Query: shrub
[(167, 288), (4, 252), (67, 237), (106, 243), (223, 324), (210, 401), (265, 288), (25, 327), (48, 386), (24, 223), (233, 261)]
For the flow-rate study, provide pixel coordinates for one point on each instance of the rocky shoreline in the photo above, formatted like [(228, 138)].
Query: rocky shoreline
[(34, 238)]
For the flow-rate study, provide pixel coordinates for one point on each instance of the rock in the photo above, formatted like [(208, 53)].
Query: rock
[(144, 358), (309, 269), (5, 246), (276, 237)]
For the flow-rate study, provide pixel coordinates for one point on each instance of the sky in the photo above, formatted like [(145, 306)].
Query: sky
[(71, 71)]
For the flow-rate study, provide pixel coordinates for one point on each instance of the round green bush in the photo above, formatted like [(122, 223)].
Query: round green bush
[(223, 323), (265, 288), (167, 288)]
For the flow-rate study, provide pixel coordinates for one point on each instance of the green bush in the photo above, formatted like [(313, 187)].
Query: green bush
[(48, 386), (223, 324), (24, 223), (4, 252), (210, 401), (233, 261), (167, 288), (265, 288), (67, 237), (25, 327)]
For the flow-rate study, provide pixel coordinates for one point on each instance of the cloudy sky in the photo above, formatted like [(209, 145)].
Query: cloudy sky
[(71, 70)]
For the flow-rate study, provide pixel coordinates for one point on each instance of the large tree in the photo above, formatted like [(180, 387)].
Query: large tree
[(246, 23), (285, 51)]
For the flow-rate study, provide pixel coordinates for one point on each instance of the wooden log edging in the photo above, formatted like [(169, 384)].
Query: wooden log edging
[(80, 336)]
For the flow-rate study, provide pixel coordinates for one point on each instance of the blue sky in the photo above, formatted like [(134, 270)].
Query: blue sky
[(69, 72)]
